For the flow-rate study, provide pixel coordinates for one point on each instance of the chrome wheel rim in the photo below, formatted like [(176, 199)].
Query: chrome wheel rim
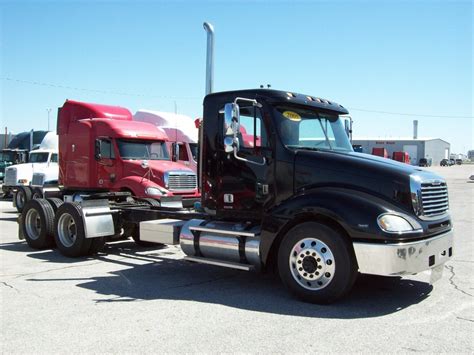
[(312, 264), (67, 230), (33, 224)]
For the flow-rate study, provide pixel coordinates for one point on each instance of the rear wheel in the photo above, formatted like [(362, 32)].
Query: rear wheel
[(69, 232), (36, 193), (316, 263), (22, 196), (55, 203), (37, 224)]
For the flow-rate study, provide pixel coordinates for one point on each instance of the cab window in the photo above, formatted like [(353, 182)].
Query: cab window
[(183, 153), (106, 149)]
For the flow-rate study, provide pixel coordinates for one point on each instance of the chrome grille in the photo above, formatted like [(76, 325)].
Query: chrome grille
[(182, 182), (38, 180), (434, 198), (10, 177)]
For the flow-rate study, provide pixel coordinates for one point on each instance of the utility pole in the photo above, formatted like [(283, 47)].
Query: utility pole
[(48, 110)]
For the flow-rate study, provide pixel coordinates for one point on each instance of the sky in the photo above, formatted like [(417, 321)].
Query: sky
[(388, 62)]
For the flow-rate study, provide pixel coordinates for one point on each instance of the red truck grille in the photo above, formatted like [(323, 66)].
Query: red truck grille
[(182, 181)]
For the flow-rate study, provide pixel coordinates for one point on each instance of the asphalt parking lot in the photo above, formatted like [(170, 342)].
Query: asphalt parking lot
[(137, 300)]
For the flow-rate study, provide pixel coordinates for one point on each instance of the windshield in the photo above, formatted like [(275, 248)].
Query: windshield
[(142, 150), (39, 157), (312, 130), (7, 156), (194, 150)]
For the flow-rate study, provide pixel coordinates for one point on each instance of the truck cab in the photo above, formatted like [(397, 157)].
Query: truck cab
[(10, 157), (42, 161), (103, 149), (181, 131), (303, 176)]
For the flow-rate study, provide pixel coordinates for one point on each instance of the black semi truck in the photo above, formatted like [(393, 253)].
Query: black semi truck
[(298, 198), (295, 198)]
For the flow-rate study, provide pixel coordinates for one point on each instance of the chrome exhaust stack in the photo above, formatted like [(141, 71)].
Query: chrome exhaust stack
[(209, 57)]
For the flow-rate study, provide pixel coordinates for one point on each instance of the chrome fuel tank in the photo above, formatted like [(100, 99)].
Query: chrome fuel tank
[(221, 241)]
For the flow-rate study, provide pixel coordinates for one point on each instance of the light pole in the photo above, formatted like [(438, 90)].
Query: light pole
[(48, 110)]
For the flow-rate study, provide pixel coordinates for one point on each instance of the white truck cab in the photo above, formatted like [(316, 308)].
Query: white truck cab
[(43, 164)]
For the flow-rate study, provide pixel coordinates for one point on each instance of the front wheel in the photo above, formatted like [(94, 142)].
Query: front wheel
[(22, 196), (316, 263)]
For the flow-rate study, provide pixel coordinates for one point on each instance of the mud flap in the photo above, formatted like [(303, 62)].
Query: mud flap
[(20, 228), (436, 273)]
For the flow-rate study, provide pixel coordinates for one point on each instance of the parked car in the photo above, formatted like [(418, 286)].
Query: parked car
[(425, 162), (444, 162), (459, 161), (452, 162)]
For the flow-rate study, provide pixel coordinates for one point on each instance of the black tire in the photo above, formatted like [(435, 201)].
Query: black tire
[(316, 263), (37, 193), (22, 196), (69, 232), (37, 223), (150, 201), (55, 203), (135, 233), (97, 245)]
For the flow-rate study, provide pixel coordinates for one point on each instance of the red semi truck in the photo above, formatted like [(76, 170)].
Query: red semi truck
[(102, 149)]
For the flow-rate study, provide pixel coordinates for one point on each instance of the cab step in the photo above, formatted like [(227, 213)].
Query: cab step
[(228, 264), (229, 231)]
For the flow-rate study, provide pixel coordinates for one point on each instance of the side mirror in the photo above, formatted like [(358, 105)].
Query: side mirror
[(231, 119), (174, 151), (98, 156)]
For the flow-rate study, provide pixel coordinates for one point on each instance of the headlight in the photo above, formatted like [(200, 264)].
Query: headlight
[(396, 224), (153, 191)]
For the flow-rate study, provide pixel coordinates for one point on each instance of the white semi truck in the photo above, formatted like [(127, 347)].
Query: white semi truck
[(42, 168), (181, 131)]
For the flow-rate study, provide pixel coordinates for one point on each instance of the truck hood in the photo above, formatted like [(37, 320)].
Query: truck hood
[(158, 168), (363, 172), (26, 170)]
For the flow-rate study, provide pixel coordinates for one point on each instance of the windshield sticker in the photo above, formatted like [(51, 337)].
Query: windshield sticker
[(292, 116)]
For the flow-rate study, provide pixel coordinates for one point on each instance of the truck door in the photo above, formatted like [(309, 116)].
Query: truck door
[(245, 184), (105, 162)]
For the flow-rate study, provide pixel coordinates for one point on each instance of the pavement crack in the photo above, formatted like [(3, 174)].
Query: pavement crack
[(16, 276), (451, 280), (10, 286), (466, 319)]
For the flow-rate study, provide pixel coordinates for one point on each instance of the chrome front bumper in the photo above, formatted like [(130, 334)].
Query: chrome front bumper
[(404, 258)]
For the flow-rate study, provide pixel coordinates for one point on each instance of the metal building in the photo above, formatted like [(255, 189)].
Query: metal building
[(434, 148)]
